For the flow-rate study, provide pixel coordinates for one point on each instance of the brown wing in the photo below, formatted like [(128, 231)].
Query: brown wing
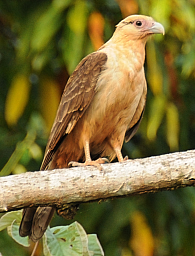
[(77, 95), (132, 131)]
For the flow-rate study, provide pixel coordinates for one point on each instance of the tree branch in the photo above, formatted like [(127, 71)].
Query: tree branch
[(58, 187)]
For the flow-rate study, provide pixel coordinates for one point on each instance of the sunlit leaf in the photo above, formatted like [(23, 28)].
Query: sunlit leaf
[(142, 240), (66, 240), (94, 245), (157, 111), (184, 13), (50, 97), (128, 7), (74, 35), (72, 50), (188, 63), (61, 4), (8, 218), (163, 12), (154, 74), (96, 29), (19, 169), (13, 231), (18, 153), (126, 252), (77, 17), (172, 118), (35, 151), (51, 246), (46, 27), (40, 59), (17, 98)]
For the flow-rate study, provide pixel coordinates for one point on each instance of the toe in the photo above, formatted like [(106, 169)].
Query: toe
[(102, 160), (74, 164)]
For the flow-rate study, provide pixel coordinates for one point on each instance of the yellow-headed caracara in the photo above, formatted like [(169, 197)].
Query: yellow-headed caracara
[(102, 104)]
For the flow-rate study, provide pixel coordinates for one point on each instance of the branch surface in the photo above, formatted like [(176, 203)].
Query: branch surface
[(84, 184)]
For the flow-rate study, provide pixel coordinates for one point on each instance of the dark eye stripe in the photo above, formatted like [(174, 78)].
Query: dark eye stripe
[(126, 23)]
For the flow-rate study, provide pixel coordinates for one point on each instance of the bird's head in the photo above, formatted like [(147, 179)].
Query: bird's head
[(137, 27)]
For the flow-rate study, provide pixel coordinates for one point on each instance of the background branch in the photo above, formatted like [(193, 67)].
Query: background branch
[(57, 187)]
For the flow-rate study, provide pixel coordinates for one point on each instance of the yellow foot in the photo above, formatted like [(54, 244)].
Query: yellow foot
[(96, 163)]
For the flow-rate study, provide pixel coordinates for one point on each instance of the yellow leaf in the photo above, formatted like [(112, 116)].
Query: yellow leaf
[(19, 169), (50, 97), (172, 118), (74, 34), (35, 151), (96, 29), (126, 252), (154, 73), (142, 241), (77, 17), (17, 99), (163, 12), (128, 7), (157, 111)]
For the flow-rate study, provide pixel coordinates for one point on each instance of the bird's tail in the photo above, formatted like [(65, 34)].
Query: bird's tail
[(35, 221)]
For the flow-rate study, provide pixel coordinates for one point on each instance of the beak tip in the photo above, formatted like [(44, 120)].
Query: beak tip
[(158, 28)]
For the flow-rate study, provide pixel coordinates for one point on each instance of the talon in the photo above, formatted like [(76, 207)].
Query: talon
[(74, 164), (102, 160), (97, 163)]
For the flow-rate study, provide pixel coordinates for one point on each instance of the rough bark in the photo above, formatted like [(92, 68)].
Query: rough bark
[(85, 184)]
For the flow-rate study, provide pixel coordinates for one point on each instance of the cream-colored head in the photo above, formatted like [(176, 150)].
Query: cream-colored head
[(137, 27)]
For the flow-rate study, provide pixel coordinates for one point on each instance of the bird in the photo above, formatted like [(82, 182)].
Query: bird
[(101, 106)]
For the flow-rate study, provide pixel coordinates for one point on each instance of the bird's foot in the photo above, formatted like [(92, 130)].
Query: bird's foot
[(97, 163), (125, 158)]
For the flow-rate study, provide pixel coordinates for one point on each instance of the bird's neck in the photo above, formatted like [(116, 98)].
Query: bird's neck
[(131, 49)]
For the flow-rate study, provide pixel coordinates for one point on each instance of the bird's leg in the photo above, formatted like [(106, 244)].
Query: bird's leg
[(88, 160), (119, 155)]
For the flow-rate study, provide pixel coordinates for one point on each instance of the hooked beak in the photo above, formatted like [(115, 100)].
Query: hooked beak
[(157, 28)]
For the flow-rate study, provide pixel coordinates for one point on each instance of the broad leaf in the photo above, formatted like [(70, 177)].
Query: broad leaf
[(13, 231), (94, 245), (70, 240), (8, 218)]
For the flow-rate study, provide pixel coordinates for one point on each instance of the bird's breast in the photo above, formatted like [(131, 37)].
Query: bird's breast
[(118, 92), (113, 105)]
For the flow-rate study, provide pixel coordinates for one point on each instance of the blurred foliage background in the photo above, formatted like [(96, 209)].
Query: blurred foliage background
[(41, 42)]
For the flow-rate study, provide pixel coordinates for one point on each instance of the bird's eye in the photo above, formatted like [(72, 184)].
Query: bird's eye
[(138, 23)]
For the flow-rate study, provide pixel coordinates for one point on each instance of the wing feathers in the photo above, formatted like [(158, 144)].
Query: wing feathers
[(77, 96)]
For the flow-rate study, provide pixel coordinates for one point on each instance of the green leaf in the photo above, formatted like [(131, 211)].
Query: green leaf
[(72, 43), (8, 218), (19, 169), (94, 245), (66, 240), (18, 153), (157, 111), (77, 17), (154, 72), (172, 118), (51, 246), (163, 12), (46, 27), (61, 4), (13, 231), (72, 50)]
